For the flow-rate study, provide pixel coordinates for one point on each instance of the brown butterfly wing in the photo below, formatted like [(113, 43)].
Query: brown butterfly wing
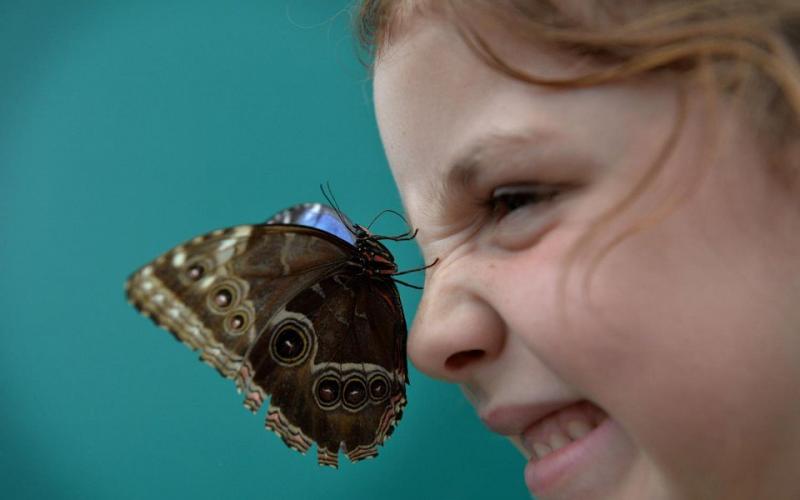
[(343, 384), (279, 309), (256, 268)]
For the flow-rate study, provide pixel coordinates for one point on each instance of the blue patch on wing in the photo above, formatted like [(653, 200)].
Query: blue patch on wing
[(328, 222), (318, 216)]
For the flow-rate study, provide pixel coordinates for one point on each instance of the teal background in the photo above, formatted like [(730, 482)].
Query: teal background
[(127, 128)]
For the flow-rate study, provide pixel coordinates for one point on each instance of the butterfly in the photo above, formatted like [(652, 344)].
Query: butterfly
[(302, 309)]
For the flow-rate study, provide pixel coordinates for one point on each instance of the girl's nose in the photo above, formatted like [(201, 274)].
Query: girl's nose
[(456, 330)]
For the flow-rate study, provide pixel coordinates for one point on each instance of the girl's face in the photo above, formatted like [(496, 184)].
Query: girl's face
[(683, 353)]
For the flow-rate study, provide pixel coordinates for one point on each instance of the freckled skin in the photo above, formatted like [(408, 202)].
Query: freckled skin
[(689, 336)]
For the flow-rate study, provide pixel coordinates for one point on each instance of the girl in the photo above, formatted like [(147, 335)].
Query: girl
[(610, 188)]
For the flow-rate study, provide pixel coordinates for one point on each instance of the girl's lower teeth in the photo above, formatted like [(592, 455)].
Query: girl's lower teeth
[(574, 431), (557, 431)]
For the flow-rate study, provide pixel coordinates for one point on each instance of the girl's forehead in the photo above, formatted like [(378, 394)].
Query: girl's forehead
[(431, 79)]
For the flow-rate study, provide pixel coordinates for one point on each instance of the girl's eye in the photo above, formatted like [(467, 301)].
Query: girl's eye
[(507, 199)]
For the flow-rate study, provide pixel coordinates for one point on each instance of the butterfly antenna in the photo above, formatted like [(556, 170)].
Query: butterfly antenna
[(332, 202), (408, 235), (388, 210)]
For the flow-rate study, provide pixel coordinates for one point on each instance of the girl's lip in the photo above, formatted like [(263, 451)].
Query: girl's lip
[(545, 475), (513, 420)]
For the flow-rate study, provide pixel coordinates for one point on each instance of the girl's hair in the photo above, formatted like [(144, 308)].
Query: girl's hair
[(743, 51)]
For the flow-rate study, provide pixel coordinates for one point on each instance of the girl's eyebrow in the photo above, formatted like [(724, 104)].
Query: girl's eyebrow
[(494, 148)]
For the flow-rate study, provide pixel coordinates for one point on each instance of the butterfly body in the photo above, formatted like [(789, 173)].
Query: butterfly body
[(301, 310)]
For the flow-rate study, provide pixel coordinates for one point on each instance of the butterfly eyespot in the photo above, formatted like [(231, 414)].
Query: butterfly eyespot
[(238, 321), (355, 393), (327, 392), (223, 297), (378, 388), (195, 272), (290, 346)]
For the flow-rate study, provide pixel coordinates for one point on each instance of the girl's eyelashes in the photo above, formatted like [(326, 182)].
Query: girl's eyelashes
[(507, 199)]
